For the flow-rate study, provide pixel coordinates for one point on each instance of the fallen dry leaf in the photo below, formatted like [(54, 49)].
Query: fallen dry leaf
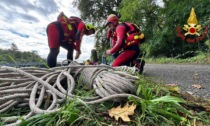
[(122, 113), (198, 86)]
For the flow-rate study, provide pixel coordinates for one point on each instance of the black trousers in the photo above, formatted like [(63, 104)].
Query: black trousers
[(52, 56)]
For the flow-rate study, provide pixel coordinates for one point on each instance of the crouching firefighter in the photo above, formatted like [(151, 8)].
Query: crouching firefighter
[(126, 38), (67, 33)]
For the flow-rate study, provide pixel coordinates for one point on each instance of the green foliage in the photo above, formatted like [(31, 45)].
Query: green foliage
[(199, 58), (208, 43), (14, 56), (96, 10), (14, 47), (157, 23), (158, 106), (68, 115), (101, 43)]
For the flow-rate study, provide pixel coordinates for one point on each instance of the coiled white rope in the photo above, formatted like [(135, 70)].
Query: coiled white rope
[(35, 85)]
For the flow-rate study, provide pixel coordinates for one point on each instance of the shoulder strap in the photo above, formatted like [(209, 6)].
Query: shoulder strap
[(136, 27), (126, 26)]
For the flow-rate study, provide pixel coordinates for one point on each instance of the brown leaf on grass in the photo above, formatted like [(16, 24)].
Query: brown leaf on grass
[(198, 86), (122, 113)]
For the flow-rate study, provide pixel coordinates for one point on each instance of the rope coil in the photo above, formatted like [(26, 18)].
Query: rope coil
[(52, 86)]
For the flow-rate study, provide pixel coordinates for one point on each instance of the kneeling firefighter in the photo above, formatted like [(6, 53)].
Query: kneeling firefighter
[(126, 38)]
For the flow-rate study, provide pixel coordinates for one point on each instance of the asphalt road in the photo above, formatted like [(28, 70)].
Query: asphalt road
[(185, 76)]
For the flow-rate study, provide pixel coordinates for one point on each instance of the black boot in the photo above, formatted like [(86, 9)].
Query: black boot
[(139, 64), (141, 69)]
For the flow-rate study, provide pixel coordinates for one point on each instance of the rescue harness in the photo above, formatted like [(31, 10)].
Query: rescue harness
[(71, 23)]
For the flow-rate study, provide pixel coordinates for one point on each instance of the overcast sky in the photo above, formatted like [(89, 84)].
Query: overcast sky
[(24, 23)]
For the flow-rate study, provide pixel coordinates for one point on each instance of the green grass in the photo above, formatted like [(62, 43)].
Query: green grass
[(201, 58), (158, 107)]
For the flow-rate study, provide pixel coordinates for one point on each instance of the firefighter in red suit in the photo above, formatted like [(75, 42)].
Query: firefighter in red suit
[(67, 33), (128, 38)]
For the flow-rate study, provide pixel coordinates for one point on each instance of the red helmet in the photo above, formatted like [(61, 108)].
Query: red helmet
[(112, 19)]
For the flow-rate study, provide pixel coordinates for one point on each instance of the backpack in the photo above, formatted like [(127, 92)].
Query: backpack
[(137, 29), (75, 19)]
